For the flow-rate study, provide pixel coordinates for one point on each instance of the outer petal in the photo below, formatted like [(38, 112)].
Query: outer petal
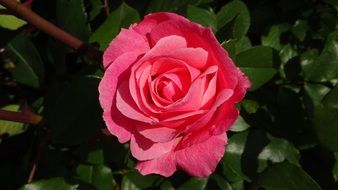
[(153, 19), (126, 41), (164, 165), (117, 124), (145, 149), (201, 159)]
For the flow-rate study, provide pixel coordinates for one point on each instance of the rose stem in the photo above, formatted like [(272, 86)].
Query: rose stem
[(23, 117), (41, 23)]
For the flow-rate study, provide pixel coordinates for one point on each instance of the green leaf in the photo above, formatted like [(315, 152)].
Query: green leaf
[(325, 67), (250, 106), (235, 17), (315, 93), (202, 16), (285, 176), (99, 176), (335, 168), (258, 64), (72, 17), (135, 181), (29, 69), (220, 183), (239, 125), (9, 21), (325, 123), (236, 46), (194, 183), (231, 162), (96, 157), (272, 39), (49, 184), (10, 127), (331, 99), (286, 53), (300, 29), (278, 150), (77, 114), (96, 9), (122, 17)]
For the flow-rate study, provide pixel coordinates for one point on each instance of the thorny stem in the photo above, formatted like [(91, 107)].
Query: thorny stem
[(42, 24)]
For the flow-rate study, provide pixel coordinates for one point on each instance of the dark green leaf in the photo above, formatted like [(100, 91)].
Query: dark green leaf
[(96, 9), (285, 176), (272, 39), (231, 162), (325, 67), (135, 181), (287, 53), (194, 183), (258, 64), (239, 125), (325, 122), (278, 150), (202, 16), (220, 183), (99, 176), (250, 106), (29, 69), (315, 93), (49, 184), (335, 168), (77, 115), (300, 29), (331, 99), (237, 15), (72, 17), (122, 17), (96, 157)]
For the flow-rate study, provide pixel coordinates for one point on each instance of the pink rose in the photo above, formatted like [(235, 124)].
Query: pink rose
[(170, 88)]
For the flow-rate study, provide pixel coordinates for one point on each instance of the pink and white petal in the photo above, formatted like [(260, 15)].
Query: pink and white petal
[(145, 149), (126, 105), (164, 165), (126, 41), (200, 160), (195, 57), (117, 124)]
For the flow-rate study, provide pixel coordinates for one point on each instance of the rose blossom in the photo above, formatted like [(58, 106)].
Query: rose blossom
[(170, 88)]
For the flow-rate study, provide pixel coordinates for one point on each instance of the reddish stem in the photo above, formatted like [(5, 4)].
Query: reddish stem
[(27, 117), (40, 23)]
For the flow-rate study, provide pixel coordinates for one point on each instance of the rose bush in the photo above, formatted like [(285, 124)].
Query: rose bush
[(170, 88)]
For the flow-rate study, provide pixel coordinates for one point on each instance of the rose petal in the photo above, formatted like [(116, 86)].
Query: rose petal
[(165, 44), (222, 96), (153, 19), (117, 124), (164, 165), (195, 57), (126, 105), (201, 159), (158, 133), (145, 149), (126, 41)]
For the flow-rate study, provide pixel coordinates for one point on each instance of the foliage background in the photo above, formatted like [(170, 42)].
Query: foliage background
[(286, 137)]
